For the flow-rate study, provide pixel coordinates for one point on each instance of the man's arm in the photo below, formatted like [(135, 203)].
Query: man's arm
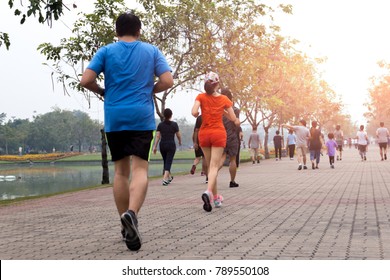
[(287, 126), (88, 81), (165, 81)]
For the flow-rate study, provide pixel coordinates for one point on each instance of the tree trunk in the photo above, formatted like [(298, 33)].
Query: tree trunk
[(106, 174), (266, 150)]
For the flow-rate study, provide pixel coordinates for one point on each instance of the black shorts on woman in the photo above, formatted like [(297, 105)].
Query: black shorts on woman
[(130, 143)]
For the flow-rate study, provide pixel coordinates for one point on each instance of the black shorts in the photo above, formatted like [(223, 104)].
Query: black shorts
[(130, 143)]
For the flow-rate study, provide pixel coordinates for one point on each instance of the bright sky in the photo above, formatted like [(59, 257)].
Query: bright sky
[(352, 34)]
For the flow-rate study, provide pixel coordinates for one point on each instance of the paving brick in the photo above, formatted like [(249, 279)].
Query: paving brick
[(277, 212)]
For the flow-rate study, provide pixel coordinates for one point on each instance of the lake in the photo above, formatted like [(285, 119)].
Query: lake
[(42, 179)]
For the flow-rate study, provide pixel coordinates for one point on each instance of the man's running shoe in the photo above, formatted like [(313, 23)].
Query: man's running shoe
[(233, 184), (123, 233), (218, 199), (170, 179), (130, 224), (193, 168), (207, 200)]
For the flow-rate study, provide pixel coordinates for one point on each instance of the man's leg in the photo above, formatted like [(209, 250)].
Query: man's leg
[(233, 168), (138, 184), (121, 184)]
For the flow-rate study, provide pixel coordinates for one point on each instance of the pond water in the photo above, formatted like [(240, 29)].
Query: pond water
[(42, 179)]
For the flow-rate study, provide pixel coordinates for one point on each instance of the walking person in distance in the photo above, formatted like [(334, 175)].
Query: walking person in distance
[(302, 133), (165, 135), (383, 137)]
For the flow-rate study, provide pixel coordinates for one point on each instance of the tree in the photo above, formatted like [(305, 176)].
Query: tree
[(190, 33), (378, 106), (45, 10)]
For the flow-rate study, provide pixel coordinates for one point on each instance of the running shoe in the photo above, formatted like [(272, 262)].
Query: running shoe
[(218, 199), (165, 182), (304, 167), (193, 168), (207, 200), (207, 180), (130, 224), (123, 233), (385, 157), (170, 179), (202, 173), (300, 167), (233, 184)]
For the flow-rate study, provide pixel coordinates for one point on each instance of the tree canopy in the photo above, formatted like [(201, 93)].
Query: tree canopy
[(45, 11)]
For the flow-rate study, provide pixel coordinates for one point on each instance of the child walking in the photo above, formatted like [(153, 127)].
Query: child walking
[(331, 146)]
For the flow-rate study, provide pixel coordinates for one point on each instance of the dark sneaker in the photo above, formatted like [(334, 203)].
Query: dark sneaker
[(206, 197), (207, 180), (385, 157), (130, 225), (365, 158), (300, 167), (233, 184), (312, 166), (193, 168), (170, 179), (123, 233), (304, 167), (332, 166)]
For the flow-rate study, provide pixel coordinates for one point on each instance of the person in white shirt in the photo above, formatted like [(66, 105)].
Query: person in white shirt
[(362, 141), (303, 134), (383, 135)]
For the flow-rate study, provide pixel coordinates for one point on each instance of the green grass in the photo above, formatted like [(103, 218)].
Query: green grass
[(187, 154)]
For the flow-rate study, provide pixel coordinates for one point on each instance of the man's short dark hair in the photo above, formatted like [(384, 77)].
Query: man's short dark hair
[(303, 122), (227, 93), (128, 24)]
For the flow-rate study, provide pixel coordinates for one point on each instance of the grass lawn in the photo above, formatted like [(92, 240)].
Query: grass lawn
[(74, 157)]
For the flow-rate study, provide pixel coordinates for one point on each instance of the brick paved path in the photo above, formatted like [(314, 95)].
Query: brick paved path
[(277, 212)]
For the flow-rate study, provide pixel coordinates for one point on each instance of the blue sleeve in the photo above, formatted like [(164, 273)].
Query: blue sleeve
[(161, 64), (97, 62)]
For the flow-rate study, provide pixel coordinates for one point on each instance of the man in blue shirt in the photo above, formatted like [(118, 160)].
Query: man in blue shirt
[(129, 68)]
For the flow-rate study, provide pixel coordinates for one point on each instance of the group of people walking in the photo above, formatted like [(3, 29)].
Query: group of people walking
[(130, 69)]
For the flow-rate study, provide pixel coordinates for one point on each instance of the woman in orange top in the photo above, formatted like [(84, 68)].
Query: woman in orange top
[(212, 133)]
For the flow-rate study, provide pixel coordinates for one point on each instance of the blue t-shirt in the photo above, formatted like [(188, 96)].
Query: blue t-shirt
[(129, 70)]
